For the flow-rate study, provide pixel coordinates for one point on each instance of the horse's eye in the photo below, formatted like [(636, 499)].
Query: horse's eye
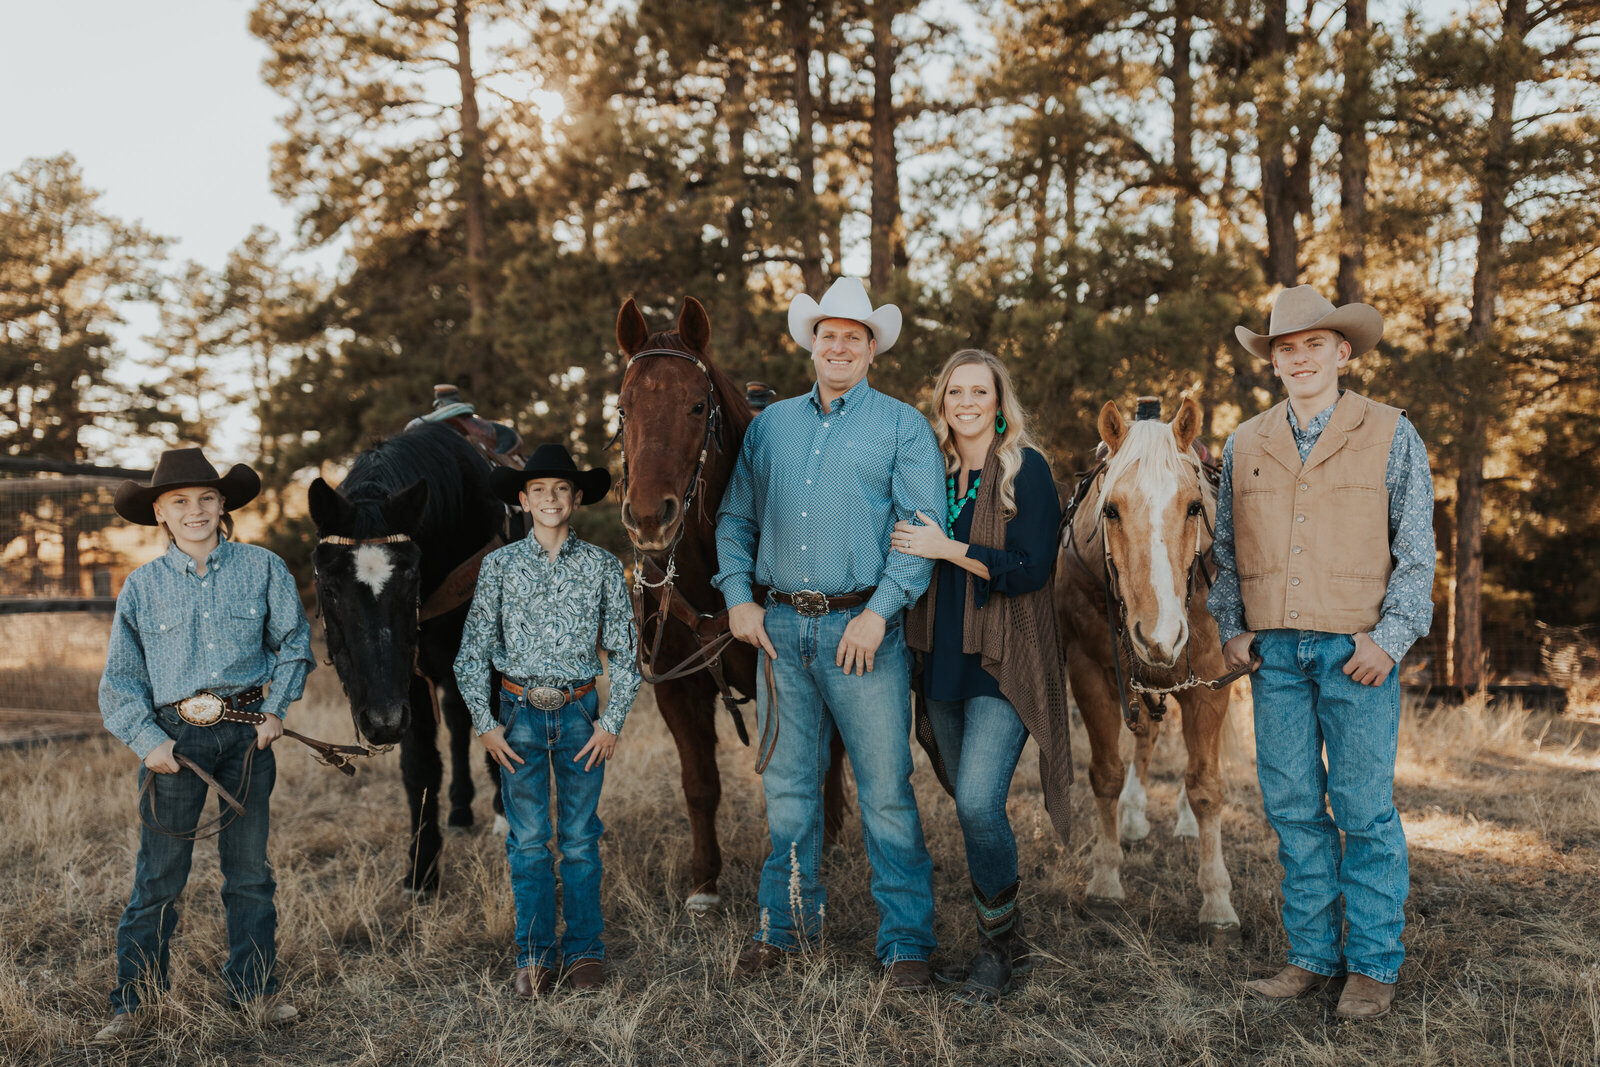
[(1196, 509), (698, 409), (1111, 512)]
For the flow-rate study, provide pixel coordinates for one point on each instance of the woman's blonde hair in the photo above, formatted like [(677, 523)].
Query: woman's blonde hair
[(1012, 441)]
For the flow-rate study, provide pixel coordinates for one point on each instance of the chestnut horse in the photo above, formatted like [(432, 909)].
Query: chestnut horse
[(1131, 593), (682, 424)]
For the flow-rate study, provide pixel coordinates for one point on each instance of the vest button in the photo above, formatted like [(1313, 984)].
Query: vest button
[(1299, 518), (1294, 581), (1298, 550), (1304, 487), (1294, 614)]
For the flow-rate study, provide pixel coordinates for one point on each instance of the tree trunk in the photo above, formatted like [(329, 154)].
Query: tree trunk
[(1277, 195), (1182, 77), (1495, 181), (888, 233), (474, 207), (807, 217), (737, 113), (1353, 164)]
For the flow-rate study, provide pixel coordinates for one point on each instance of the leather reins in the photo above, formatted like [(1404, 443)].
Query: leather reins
[(710, 631)]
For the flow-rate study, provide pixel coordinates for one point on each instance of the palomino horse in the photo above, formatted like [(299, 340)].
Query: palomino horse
[(1131, 593), (396, 560), (683, 421)]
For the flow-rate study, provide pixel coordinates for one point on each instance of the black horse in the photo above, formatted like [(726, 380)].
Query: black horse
[(413, 510)]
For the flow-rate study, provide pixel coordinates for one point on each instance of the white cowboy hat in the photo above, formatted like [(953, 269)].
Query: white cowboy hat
[(1303, 308), (845, 299)]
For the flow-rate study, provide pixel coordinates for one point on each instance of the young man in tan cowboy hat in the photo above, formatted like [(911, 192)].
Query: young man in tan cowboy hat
[(808, 514), (542, 606), (1325, 556), (205, 639)]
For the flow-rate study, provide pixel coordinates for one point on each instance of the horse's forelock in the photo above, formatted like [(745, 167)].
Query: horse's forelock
[(1151, 445)]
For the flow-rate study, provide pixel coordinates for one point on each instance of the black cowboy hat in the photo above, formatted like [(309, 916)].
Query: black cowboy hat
[(185, 468), (550, 461)]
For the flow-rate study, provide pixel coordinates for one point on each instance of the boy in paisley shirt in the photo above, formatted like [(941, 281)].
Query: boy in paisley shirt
[(542, 606)]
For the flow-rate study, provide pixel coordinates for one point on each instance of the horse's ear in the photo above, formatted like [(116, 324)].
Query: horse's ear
[(694, 326), (328, 507), (632, 330), (1186, 427), (1113, 429), (402, 512)]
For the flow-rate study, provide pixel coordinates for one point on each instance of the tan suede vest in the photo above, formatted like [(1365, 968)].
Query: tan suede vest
[(1312, 539)]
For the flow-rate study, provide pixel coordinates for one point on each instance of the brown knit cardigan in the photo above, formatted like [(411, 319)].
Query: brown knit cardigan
[(1016, 637)]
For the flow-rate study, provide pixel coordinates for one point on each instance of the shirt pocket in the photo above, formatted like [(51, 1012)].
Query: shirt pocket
[(242, 627), (163, 626)]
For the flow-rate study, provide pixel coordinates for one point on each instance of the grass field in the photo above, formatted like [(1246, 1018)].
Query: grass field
[(1502, 811)]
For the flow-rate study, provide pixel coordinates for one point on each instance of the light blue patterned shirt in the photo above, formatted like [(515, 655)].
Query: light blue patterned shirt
[(176, 633), (815, 495), (1407, 610), (538, 621)]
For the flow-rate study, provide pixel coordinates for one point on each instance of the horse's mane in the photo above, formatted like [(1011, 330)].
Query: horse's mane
[(433, 453), (1150, 444), (736, 413)]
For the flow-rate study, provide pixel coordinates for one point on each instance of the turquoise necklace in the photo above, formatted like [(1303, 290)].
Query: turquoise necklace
[(953, 505)]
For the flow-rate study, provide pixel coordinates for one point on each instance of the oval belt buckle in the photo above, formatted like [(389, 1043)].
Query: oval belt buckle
[(546, 698), (205, 708)]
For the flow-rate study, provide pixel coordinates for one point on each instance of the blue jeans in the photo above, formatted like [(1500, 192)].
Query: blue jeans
[(547, 741), (1305, 704), (872, 713), (144, 935), (980, 741)]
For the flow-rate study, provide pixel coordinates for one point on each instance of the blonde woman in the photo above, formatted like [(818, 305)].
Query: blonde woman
[(986, 628)]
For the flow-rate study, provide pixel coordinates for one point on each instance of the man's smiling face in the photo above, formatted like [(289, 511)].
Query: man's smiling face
[(842, 350), (1309, 363)]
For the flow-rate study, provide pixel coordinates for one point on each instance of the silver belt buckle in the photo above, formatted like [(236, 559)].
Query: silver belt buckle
[(810, 603), (205, 708), (546, 697)]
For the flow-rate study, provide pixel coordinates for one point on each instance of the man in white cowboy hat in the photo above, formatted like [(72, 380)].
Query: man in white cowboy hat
[(1325, 556), (808, 515)]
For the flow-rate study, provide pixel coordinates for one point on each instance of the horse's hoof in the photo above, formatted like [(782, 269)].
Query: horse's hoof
[(460, 818), (420, 886), (501, 827), (1104, 908), (1221, 935), (703, 903)]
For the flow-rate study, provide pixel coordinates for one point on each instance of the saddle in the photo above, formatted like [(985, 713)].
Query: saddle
[(498, 443)]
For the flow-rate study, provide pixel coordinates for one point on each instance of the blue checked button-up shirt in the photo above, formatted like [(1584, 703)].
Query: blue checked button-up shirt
[(537, 622), (815, 495), (176, 632), (1407, 610)]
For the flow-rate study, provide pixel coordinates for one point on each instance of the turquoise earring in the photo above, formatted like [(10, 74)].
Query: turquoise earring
[(999, 424)]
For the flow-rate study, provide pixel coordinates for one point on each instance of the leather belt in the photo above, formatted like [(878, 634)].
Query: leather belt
[(206, 708), (814, 605), (547, 697)]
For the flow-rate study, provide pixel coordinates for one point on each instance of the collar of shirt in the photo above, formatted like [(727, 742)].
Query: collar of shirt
[(858, 391), (1305, 440), (536, 551), (183, 563)]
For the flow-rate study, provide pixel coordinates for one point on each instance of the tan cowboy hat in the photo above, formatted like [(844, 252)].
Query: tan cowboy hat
[(1303, 308), (185, 468), (845, 299)]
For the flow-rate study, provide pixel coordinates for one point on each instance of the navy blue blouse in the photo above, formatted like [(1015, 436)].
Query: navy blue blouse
[(1023, 566)]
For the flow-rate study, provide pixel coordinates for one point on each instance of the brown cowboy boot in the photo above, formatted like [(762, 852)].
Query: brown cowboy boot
[(1287, 984), (533, 981), (1364, 998), (757, 958)]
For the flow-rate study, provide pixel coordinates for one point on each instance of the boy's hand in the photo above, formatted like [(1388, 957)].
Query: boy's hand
[(1371, 664), (495, 742), (602, 743), (1236, 653), (268, 730), (161, 760)]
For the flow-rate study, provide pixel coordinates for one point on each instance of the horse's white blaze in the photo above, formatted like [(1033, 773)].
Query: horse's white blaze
[(373, 568), (1161, 486), (1132, 824), (1187, 826)]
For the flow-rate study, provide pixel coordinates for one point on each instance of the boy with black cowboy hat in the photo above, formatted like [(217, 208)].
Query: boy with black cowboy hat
[(209, 647), (541, 607), (1325, 556)]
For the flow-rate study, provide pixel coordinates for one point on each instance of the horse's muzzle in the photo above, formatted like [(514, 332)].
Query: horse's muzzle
[(384, 725)]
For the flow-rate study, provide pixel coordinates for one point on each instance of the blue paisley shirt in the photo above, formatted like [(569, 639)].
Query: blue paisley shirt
[(538, 621), (815, 495), (177, 632), (1407, 610)]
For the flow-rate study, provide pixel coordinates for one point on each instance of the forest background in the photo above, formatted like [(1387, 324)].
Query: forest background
[(1096, 190)]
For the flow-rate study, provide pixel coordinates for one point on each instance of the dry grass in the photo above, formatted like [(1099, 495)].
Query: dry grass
[(1502, 810)]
